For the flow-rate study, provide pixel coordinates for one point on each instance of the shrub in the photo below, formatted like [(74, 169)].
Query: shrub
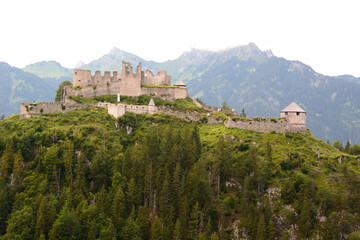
[(204, 120)]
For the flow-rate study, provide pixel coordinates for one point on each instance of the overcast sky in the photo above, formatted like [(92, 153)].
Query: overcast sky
[(322, 34)]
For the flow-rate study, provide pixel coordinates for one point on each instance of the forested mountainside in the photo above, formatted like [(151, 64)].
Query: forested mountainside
[(85, 175)]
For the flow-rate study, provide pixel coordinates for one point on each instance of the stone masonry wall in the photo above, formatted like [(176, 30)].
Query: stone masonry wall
[(169, 94), (255, 124), (265, 125), (128, 89), (28, 109)]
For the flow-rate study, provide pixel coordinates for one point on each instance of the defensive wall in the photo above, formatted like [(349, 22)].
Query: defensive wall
[(117, 110), (265, 125), (255, 124), (29, 109), (128, 89)]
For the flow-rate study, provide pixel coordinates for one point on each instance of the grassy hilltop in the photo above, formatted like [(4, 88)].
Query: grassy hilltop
[(86, 175)]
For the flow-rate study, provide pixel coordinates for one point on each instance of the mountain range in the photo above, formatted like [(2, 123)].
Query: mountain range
[(245, 77)]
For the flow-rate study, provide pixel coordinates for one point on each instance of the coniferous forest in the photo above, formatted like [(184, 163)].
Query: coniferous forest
[(85, 175)]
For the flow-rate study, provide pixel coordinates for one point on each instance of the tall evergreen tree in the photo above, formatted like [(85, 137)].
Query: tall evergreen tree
[(157, 230), (119, 209), (7, 161)]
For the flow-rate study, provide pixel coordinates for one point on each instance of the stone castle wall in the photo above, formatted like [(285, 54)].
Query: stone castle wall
[(255, 124), (118, 110), (169, 94), (128, 89), (265, 125), (28, 109), (84, 78)]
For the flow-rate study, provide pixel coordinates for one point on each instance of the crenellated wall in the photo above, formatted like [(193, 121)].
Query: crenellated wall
[(84, 78)]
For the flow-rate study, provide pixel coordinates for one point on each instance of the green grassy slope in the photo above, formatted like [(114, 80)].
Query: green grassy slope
[(86, 175)]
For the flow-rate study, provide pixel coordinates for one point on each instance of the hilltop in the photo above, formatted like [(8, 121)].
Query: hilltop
[(262, 83), (87, 175)]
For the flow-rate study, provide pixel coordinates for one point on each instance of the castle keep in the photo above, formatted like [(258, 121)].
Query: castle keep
[(128, 83)]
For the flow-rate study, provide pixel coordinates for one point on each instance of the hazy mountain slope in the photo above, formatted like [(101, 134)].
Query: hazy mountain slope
[(18, 86), (48, 69), (113, 62)]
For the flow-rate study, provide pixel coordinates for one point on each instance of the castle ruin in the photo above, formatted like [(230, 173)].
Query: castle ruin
[(127, 83), (292, 118)]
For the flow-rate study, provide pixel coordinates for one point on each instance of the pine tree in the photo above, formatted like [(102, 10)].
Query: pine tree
[(142, 221), (270, 229), (18, 168), (347, 147), (306, 219), (177, 234), (156, 230), (194, 222), (242, 114), (5, 205), (131, 194), (108, 231), (69, 162), (119, 209), (131, 230), (7, 161), (45, 218), (261, 229), (66, 225)]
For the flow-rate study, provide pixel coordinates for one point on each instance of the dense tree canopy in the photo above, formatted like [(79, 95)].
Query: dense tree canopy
[(82, 175)]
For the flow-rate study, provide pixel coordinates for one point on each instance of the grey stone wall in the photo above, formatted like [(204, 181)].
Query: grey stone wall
[(29, 109)]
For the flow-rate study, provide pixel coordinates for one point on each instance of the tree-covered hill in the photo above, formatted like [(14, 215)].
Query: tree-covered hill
[(86, 175)]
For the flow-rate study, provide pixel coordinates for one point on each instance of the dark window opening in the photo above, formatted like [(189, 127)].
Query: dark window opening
[(286, 113), (297, 113)]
